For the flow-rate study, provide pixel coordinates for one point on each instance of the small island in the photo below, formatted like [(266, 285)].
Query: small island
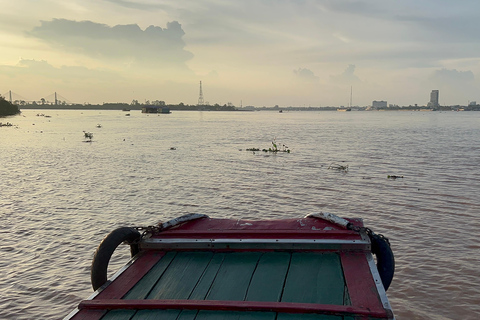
[(7, 108)]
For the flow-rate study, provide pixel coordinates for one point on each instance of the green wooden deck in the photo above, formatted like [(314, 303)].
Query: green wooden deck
[(302, 277)]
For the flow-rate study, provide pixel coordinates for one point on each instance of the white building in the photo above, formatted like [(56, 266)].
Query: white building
[(379, 104), (433, 103)]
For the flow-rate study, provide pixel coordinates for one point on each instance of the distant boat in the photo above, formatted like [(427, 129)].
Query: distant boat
[(125, 109), (155, 109), (350, 106), (127, 114), (280, 111)]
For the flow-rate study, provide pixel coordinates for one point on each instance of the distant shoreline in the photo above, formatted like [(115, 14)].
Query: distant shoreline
[(217, 107), (122, 106)]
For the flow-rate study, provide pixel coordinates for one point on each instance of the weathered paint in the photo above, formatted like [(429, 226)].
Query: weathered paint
[(209, 283)]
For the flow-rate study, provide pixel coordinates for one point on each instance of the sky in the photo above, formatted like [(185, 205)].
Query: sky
[(248, 52)]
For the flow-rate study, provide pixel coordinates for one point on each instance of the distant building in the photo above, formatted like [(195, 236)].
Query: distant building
[(472, 103), (379, 104), (433, 103)]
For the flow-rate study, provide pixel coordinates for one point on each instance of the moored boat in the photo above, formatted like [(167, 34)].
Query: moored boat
[(195, 267)]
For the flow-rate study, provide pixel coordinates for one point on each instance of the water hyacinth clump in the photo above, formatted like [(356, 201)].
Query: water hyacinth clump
[(274, 148)]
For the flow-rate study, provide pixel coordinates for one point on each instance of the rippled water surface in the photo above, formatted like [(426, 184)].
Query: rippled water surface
[(60, 195)]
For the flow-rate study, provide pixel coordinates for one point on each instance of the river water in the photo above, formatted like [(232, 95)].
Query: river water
[(61, 195)]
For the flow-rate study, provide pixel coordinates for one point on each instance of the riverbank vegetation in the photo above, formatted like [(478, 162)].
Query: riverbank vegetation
[(134, 105), (7, 108)]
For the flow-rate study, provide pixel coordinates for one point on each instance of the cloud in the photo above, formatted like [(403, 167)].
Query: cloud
[(305, 75), (347, 77), (137, 5), (447, 76), (128, 43), (452, 80), (78, 83), (44, 69)]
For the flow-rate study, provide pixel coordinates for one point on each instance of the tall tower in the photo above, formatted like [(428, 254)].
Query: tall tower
[(200, 96), (433, 99)]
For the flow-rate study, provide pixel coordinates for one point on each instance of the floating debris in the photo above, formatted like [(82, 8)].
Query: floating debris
[(338, 167), (394, 177), (274, 148), (88, 135), (43, 115), (173, 148)]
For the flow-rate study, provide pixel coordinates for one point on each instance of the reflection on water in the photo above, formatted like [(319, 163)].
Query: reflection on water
[(61, 196)]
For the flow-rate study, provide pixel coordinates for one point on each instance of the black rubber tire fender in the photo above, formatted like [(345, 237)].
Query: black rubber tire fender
[(104, 252), (385, 259)]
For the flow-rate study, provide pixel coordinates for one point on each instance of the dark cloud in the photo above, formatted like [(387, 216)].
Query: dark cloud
[(347, 77), (154, 45), (305, 75)]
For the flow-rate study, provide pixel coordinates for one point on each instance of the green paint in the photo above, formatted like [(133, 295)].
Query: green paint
[(315, 278), (156, 315), (234, 315), (308, 316), (204, 284), (233, 278), (143, 287), (119, 315), (181, 276), (269, 277)]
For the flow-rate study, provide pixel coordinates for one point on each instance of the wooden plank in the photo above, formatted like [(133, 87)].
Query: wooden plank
[(263, 234), (315, 278), (269, 277), (234, 276), (216, 315), (346, 296), (181, 276), (244, 306), (129, 278), (156, 315), (234, 315), (88, 315), (294, 316), (119, 315), (188, 315), (203, 286), (143, 287), (358, 277)]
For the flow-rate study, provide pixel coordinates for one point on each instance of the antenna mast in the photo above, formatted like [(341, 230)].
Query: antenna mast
[(200, 96)]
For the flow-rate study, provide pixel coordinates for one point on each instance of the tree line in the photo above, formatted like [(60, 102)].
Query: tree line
[(7, 108)]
